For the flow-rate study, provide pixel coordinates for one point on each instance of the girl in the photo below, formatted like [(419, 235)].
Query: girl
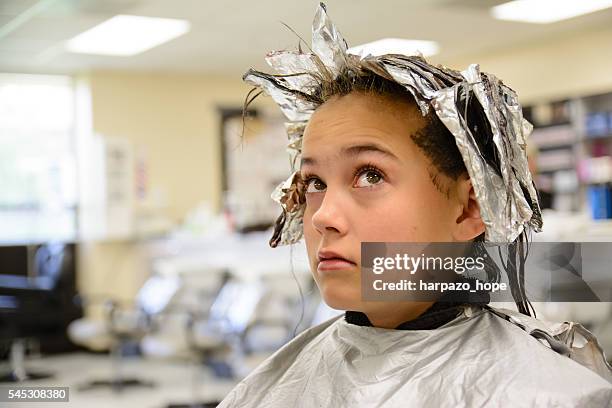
[(392, 149)]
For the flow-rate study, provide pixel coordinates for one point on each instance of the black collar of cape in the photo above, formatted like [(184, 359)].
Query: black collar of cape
[(445, 309)]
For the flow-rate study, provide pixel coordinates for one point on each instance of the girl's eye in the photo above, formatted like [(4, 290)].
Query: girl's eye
[(368, 178), (315, 185)]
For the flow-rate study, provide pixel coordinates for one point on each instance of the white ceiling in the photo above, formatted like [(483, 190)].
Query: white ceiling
[(229, 36)]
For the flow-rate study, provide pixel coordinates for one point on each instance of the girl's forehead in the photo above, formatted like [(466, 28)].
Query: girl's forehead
[(359, 118)]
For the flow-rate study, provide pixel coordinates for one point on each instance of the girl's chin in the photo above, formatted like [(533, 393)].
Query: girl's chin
[(338, 297)]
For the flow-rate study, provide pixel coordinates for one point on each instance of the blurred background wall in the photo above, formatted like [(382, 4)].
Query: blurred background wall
[(171, 120)]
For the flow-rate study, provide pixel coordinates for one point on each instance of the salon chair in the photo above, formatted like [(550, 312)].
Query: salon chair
[(124, 328), (22, 316), (214, 334), (169, 337), (32, 307)]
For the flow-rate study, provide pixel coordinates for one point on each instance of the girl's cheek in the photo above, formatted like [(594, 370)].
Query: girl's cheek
[(308, 213), (313, 202)]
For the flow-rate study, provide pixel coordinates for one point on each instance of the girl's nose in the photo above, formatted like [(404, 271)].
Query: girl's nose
[(331, 215)]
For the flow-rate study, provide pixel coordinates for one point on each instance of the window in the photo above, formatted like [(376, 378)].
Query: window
[(38, 181)]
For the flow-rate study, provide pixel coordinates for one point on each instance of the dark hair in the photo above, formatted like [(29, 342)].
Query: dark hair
[(439, 146)]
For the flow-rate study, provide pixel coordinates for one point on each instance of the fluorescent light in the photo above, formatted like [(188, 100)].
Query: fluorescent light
[(547, 11), (127, 35), (395, 46)]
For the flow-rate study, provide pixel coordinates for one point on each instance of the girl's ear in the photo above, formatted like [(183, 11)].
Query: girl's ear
[(469, 223)]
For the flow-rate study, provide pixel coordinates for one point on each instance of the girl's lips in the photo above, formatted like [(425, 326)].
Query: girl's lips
[(333, 264)]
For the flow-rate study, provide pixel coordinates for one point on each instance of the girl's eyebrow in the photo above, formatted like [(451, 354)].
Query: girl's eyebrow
[(354, 151)]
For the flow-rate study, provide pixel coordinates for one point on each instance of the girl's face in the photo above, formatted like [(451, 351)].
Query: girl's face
[(366, 180)]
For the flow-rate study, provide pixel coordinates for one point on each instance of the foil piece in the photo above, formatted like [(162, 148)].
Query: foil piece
[(514, 138), (485, 180), (295, 133), (507, 130), (289, 225), (296, 68), (505, 191), (338, 364), (327, 42), (294, 108)]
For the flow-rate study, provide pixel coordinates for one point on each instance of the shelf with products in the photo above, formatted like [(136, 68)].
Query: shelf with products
[(554, 136), (553, 153), (595, 163), (572, 143)]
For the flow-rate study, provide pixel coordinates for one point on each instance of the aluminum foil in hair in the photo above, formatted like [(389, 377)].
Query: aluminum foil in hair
[(289, 225), (503, 184)]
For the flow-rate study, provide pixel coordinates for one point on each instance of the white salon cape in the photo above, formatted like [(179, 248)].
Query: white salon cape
[(479, 359)]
